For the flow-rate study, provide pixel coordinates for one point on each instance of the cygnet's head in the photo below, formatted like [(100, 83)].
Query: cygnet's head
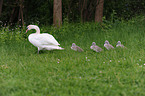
[(29, 27), (93, 44), (73, 44), (106, 42), (118, 42)]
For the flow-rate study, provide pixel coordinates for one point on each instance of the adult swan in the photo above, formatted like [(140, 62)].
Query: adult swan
[(42, 41)]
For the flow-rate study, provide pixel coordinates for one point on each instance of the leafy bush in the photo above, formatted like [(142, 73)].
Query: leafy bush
[(68, 30), (8, 35)]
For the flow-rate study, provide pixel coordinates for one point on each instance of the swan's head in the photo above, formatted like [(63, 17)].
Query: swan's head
[(93, 44), (29, 27), (118, 43), (73, 44), (106, 42)]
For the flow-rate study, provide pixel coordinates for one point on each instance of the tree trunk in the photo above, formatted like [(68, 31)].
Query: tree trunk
[(57, 13), (13, 14), (1, 3), (99, 11), (20, 17), (82, 10)]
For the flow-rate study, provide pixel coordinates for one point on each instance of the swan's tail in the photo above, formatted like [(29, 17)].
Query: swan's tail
[(60, 48), (52, 47)]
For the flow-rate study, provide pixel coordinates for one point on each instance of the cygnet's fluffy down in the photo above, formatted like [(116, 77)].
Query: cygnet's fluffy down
[(95, 47), (76, 48), (120, 45), (108, 46)]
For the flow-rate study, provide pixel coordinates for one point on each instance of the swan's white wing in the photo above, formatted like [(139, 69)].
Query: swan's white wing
[(50, 39), (45, 39)]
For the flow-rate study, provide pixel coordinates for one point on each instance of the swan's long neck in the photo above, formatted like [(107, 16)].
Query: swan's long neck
[(37, 30)]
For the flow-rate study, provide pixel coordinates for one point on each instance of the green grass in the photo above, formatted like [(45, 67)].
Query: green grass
[(118, 72)]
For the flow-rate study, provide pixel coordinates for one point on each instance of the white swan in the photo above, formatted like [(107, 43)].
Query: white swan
[(76, 48), (42, 41), (108, 46), (95, 47)]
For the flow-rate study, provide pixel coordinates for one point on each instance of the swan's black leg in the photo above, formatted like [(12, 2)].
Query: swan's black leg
[(38, 52)]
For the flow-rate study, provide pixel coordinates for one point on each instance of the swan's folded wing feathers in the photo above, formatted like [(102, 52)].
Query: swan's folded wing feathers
[(46, 39)]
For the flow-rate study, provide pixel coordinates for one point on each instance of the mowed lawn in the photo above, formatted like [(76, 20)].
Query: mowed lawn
[(117, 72)]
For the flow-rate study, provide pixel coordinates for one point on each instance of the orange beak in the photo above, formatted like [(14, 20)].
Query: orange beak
[(26, 31)]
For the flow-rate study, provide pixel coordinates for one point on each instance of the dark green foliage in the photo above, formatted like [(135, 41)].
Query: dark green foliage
[(125, 9), (41, 11)]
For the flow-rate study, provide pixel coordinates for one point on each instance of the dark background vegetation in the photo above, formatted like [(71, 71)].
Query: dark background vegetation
[(41, 11)]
